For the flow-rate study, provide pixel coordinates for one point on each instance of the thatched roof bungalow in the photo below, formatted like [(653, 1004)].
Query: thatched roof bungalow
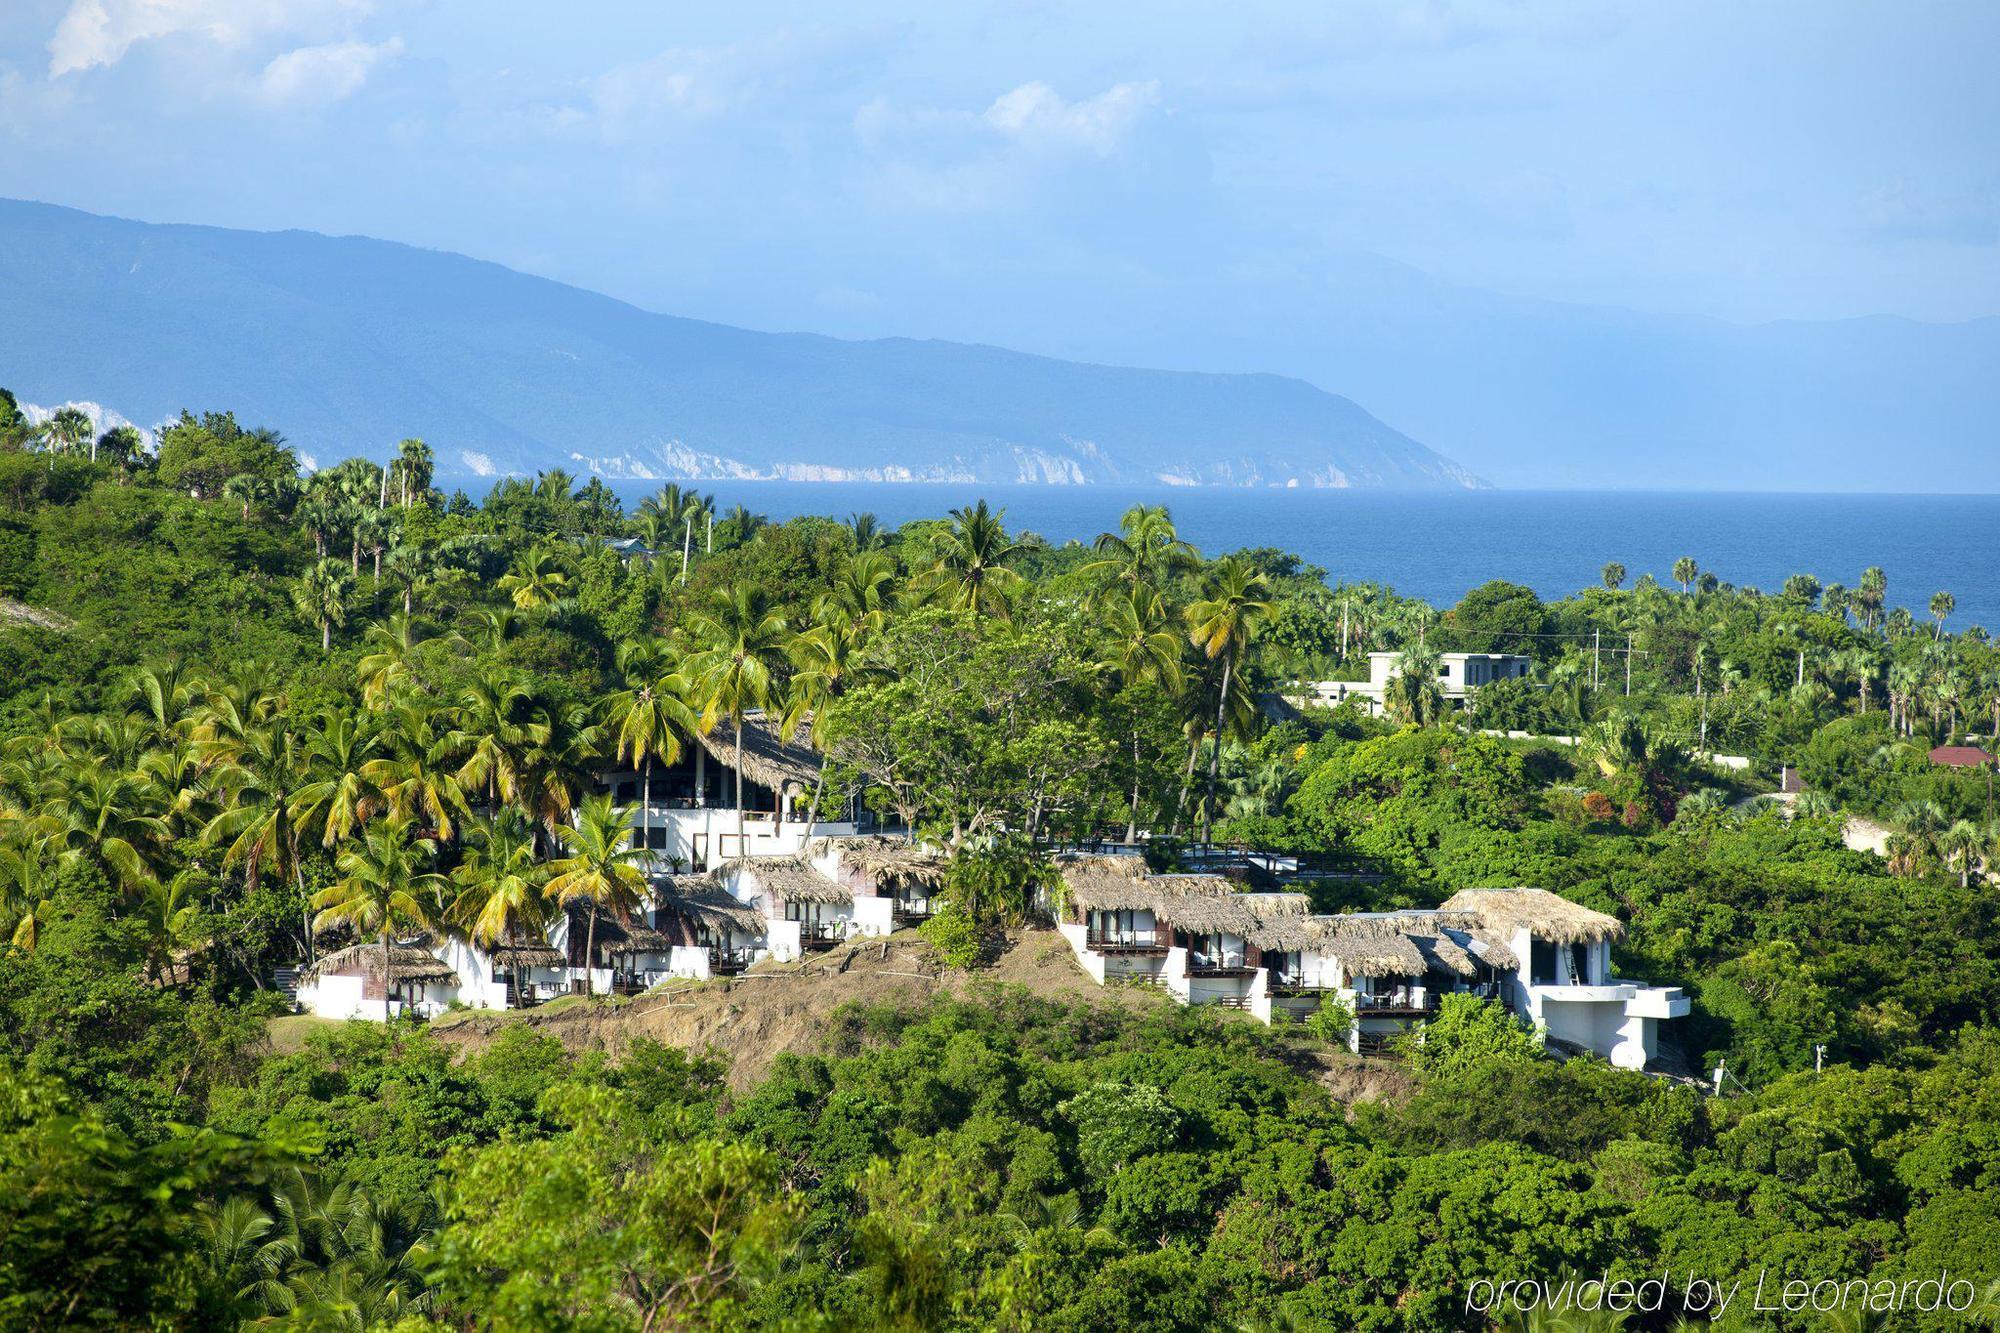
[(770, 759), (407, 962), (1544, 915)]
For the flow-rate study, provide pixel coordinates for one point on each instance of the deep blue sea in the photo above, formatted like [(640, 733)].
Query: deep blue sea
[(1436, 546)]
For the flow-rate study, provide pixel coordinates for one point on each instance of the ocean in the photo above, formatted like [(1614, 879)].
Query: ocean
[(1438, 545)]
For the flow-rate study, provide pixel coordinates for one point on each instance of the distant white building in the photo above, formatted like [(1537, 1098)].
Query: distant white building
[(1459, 674), (351, 983)]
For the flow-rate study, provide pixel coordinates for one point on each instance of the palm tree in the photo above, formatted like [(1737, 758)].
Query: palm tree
[(1942, 605), (741, 649), (1142, 649), (1413, 695), (413, 466), (416, 776), (602, 868), (320, 596), (562, 761), (1685, 572), (647, 720), (319, 518), (109, 815), (261, 769), (337, 796), (865, 530), (745, 523), (500, 881), (1959, 846), (390, 662), (1233, 606), (538, 580), (383, 886), (1143, 551), (970, 572), (1613, 575), (66, 431), (1872, 595), (245, 488), (493, 728)]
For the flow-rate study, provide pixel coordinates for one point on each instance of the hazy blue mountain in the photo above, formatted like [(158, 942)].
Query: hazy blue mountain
[(349, 344)]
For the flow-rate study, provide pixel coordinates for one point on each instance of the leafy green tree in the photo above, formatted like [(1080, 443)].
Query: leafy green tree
[(1469, 1031)]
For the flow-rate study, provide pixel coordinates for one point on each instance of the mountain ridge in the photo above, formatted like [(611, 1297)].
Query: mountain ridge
[(349, 343)]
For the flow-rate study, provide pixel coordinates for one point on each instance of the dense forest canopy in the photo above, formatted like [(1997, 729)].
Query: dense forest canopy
[(248, 710)]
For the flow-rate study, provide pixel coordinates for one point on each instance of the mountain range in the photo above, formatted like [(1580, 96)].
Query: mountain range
[(348, 344)]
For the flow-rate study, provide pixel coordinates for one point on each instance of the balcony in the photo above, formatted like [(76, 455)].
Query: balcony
[(1221, 965), (821, 934), (724, 962), (1126, 942)]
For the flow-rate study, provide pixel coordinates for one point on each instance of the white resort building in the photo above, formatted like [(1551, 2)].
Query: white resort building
[(1459, 674), (1203, 940)]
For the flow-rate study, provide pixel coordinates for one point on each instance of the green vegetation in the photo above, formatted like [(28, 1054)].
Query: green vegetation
[(261, 703)]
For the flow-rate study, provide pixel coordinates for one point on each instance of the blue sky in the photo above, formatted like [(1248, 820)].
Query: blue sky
[(1079, 179)]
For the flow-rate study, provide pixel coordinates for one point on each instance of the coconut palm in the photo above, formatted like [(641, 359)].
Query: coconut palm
[(602, 868), (390, 662), (1233, 606), (110, 816), (647, 720), (562, 761), (260, 769), (971, 572), (384, 886), (741, 644), (416, 775), (499, 881), (1143, 551), (538, 580), (865, 530), (337, 796), (320, 597), (493, 729), (162, 693)]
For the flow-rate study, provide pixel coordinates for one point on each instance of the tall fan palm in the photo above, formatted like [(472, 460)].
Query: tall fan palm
[(1413, 695), (647, 720), (602, 868), (413, 466), (1686, 570), (741, 650), (414, 570), (384, 885), (1942, 605), (1234, 605), (320, 597), (971, 571), (499, 881)]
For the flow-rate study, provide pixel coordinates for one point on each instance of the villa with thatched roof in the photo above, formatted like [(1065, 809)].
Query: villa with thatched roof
[(1544, 958), (517, 973), (685, 812), (353, 983), (894, 880), (710, 932)]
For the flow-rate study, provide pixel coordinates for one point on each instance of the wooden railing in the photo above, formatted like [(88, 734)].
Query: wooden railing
[(1127, 941)]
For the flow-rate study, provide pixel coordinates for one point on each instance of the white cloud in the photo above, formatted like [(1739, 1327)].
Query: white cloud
[(1038, 113), (95, 33), (323, 73)]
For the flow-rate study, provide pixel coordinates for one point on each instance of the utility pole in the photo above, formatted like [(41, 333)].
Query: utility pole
[(1596, 638), (1819, 1058), (1343, 629), (1628, 666), (1720, 1070), (1802, 666)]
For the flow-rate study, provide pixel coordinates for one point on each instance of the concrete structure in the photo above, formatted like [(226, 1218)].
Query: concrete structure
[(1459, 674)]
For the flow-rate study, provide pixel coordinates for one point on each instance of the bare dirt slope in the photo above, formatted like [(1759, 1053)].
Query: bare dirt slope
[(777, 1008)]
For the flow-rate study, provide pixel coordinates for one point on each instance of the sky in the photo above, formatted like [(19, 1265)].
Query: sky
[(1054, 176)]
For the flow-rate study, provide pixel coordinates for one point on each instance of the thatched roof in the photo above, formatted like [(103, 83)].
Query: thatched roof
[(615, 936), (700, 898), (1544, 914), (768, 760), (792, 878), (406, 963), (1368, 947), (1489, 946), (526, 953), (885, 860), (1122, 884), (1230, 912)]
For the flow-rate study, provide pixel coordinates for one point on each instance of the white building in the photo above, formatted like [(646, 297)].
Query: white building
[(351, 983), (1459, 674), (685, 813), (1545, 959), (518, 974)]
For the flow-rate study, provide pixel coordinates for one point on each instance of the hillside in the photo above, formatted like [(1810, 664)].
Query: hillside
[(350, 344)]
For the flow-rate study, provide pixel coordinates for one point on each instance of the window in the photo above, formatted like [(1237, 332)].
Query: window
[(1542, 963)]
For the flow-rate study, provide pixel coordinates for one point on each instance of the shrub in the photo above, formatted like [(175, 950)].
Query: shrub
[(955, 935), (1332, 1021)]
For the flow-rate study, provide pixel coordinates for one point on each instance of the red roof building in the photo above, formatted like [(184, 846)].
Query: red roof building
[(1960, 756)]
